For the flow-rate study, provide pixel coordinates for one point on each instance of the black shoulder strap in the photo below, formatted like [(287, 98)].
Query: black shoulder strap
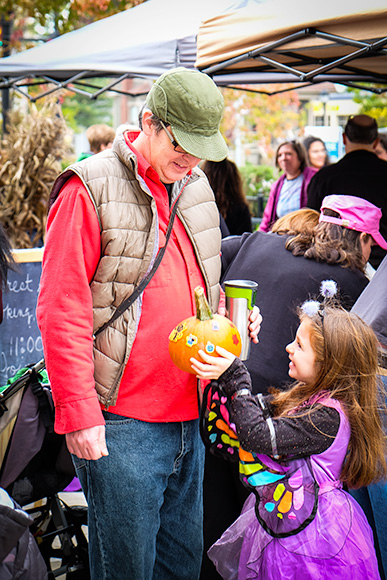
[(145, 281)]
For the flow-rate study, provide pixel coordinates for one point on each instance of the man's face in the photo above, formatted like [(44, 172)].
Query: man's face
[(170, 165)]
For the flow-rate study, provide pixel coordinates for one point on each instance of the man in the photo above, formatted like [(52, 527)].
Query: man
[(360, 172), (143, 481)]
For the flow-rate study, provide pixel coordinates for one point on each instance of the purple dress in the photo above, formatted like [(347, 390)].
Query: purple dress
[(338, 543)]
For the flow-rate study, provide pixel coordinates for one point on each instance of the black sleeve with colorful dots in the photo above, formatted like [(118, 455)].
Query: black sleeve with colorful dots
[(298, 435)]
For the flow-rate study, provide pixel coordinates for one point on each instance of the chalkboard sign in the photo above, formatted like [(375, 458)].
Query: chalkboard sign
[(20, 340)]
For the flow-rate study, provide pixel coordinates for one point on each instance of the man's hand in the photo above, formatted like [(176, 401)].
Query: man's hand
[(255, 319), (88, 443)]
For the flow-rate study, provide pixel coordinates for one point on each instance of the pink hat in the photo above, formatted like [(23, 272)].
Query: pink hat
[(356, 213)]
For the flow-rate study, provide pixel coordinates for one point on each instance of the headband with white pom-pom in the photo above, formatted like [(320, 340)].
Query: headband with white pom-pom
[(328, 289), (311, 308)]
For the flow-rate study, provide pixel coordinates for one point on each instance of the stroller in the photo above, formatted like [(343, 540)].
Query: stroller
[(35, 466)]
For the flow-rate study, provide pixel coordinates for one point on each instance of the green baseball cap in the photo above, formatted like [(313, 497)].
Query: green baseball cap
[(191, 103)]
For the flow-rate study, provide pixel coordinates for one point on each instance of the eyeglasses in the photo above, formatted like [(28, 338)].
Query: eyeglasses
[(176, 146)]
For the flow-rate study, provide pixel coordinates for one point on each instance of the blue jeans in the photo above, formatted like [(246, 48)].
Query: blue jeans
[(145, 501)]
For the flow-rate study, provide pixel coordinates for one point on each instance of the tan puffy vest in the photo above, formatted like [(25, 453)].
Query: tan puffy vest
[(128, 222)]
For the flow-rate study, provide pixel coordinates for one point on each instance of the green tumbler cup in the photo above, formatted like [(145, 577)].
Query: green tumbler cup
[(240, 300)]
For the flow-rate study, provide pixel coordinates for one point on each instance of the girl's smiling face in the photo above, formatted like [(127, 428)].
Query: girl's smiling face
[(302, 366)]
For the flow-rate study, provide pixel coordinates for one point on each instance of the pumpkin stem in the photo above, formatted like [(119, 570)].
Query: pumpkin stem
[(203, 310)]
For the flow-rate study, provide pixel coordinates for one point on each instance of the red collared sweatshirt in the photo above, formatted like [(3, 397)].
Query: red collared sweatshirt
[(152, 388)]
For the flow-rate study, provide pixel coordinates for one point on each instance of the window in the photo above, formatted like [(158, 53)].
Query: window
[(342, 120)]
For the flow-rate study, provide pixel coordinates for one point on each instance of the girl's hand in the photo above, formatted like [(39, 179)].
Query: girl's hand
[(213, 366)]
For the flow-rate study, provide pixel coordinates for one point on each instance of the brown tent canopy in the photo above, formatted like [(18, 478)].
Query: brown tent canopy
[(299, 41)]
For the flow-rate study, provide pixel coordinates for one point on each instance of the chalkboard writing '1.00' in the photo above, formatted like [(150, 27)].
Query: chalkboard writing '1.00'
[(20, 340)]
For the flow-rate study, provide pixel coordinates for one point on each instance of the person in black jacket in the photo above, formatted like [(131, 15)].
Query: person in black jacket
[(360, 173), (289, 269), (226, 183)]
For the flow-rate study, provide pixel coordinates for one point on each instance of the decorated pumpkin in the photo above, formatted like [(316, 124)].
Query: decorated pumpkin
[(204, 331)]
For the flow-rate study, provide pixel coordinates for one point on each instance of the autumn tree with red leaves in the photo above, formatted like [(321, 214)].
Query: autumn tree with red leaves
[(58, 15), (262, 119)]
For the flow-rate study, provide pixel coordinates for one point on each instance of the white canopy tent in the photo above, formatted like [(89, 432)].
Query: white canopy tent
[(141, 42), (301, 41), (237, 42)]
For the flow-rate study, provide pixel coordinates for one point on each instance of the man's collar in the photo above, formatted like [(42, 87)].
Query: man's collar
[(144, 167)]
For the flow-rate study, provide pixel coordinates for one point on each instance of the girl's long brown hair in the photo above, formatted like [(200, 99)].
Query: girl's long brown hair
[(346, 364)]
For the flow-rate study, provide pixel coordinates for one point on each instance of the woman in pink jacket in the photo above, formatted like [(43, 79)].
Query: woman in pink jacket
[(289, 192)]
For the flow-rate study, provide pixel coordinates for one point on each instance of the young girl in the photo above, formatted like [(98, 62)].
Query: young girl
[(330, 418)]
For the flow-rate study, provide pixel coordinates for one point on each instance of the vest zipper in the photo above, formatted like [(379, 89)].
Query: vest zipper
[(115, 385)]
